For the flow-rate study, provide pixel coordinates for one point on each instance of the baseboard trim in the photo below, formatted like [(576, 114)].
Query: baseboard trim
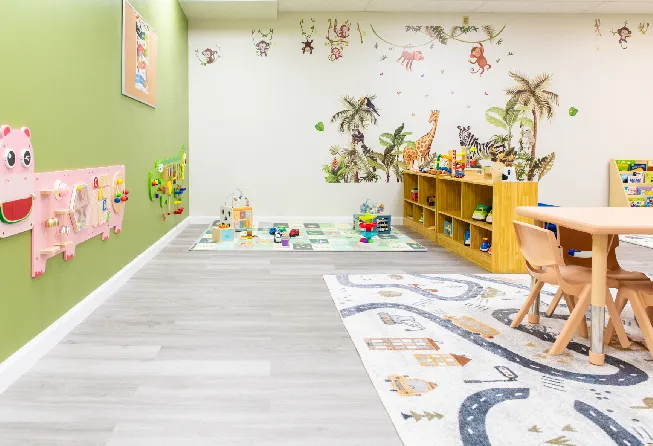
[(29, 354), (208, 219)]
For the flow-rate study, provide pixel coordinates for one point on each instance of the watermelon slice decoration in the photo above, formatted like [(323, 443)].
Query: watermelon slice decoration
[(15, 211)]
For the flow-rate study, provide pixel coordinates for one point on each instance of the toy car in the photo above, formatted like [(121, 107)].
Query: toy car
[(273, 231), (294, 232)]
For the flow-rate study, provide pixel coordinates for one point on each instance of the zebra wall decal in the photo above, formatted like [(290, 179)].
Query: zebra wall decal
[(485, 150)]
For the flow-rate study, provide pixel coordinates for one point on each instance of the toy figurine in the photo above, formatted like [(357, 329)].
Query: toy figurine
[(485, 246), (277, 237), (381, 208)]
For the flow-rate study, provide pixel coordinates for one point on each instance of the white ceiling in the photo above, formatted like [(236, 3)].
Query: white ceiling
[(267, 9)]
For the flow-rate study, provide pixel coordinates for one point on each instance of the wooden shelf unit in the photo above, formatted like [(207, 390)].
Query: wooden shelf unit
[(619, 197), (455, 202)]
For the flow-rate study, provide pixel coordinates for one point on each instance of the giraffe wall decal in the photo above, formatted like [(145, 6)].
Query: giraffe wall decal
[(423, 145)]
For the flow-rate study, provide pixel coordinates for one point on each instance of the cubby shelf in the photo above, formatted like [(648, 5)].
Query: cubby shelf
[(455, 202)]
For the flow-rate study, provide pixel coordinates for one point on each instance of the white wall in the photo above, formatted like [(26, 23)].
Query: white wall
[(252, 119)]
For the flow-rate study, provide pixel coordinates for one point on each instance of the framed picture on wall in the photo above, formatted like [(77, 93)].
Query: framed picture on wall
[(139, 54)]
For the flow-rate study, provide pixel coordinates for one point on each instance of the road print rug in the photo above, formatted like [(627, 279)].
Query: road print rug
[(312, 237), (450, 371), (641, 240)]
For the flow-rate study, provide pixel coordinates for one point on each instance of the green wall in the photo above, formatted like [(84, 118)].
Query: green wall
[(61, 65)]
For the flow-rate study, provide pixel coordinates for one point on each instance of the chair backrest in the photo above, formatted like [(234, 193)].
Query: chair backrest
[(538, 246), (582, 241)]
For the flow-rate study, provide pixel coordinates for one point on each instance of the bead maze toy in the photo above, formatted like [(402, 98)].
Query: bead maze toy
[(63, 208), (367, 227), (240, 214), (166, 182)]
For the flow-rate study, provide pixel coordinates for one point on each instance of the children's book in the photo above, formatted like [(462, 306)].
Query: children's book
[(638, 167), (648, 177), (645, 190), (634, 179), (649, 202), (636, 202), (624, 177), (624, 165), (631, 190)]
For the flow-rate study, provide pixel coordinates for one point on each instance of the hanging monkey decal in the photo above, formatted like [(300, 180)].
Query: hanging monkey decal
[(479, 59), (338, 41)]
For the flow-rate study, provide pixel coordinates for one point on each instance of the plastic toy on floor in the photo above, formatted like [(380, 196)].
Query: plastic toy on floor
[(467, 238), (294, 233), (485, 245), (481, 212), (367, 227)]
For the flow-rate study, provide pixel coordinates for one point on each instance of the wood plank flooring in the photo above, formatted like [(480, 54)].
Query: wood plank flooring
[(219, 348)]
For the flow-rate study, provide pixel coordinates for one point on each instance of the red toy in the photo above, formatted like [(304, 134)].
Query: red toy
[(294, 233)]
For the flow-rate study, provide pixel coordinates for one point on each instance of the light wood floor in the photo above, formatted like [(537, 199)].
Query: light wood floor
[(226, 348)]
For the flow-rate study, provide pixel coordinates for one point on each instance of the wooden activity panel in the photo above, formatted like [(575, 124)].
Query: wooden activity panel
[(166, 182), (71, 207), (62, 208)]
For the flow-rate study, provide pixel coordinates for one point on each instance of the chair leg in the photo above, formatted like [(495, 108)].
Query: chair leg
[(576, 317), (616, 317), (582, 329), (571, 302), (529, 301), (620, 304), (554, 302), (643, 321)]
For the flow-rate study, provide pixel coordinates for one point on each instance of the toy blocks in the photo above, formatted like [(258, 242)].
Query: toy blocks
[(222, 234)]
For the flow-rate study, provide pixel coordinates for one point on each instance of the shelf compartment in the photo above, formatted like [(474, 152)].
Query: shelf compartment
[(426, 187), (472, 196), (478, 234), (459, 229), (408, 209), (448, 197), (410, 182), (429, 218), (442, 219)]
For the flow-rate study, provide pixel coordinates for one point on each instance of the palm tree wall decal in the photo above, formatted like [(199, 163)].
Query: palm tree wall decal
[(536, 96), (355, 115)]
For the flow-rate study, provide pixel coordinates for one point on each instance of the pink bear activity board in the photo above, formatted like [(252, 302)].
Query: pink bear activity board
[(61, 208)]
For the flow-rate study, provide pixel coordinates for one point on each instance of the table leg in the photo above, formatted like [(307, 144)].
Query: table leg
[(534, 310), (599, 288)]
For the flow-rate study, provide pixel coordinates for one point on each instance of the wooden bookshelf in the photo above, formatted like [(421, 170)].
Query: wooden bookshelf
[(619, 196), (455, 201)]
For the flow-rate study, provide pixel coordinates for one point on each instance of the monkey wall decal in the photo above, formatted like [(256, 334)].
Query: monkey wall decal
[(479, 59), (337, 38), (308, 36), (263, 45), (623, 33), (208, 56)]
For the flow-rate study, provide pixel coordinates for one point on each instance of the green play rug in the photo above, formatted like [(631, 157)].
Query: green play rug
[(312, 237)]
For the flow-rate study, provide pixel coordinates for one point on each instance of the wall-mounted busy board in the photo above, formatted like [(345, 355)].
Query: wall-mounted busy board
[(166, 182), (61, 208)]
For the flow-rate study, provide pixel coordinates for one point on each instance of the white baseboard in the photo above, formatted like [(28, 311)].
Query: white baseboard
[(207, 219), (28, 355)]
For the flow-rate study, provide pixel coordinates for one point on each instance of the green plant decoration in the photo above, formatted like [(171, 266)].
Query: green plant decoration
[(388, 161), (355, 114), (573, 111), (535, 95), (319, 126)]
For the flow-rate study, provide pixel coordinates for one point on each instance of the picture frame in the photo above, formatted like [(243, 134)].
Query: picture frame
[(139, 57)]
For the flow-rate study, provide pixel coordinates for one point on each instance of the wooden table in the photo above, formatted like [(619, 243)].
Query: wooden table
[(601, 223)]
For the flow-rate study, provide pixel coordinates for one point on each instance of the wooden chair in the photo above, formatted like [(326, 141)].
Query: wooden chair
[(545, 264), (581, 241), (640, 295)]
